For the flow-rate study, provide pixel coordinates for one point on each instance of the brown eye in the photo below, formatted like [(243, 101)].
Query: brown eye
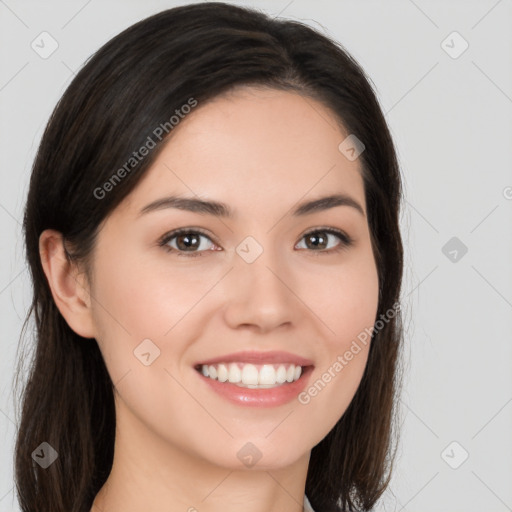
[(185, 241), (319, 240), (189, 242)]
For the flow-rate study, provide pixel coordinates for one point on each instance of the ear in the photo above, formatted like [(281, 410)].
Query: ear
[(69, 287)]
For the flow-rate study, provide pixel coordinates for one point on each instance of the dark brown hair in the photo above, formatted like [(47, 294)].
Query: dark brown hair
[(131, 85)]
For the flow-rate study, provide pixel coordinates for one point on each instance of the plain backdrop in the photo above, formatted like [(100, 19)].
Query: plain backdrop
[(443, 73)]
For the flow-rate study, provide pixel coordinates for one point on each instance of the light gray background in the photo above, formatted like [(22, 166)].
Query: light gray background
[(451, 119)]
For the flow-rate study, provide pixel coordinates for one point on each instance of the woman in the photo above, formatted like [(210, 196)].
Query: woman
[(212, 229)]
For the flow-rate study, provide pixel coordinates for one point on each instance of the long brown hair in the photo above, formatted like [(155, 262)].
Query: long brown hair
[(129, 86)]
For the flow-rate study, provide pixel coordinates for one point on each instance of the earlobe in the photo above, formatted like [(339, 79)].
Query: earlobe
[(69, 287)]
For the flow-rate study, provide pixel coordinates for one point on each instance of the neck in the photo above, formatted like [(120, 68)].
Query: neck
[(151, 474)]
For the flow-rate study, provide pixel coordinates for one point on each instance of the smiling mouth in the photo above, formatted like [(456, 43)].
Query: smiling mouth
[(255, 376)]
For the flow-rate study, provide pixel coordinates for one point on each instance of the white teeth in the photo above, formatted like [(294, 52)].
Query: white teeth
[(249, 374), (253, 376), (212, 372), (222, 373), (281, 375), (267, 375), (235, 374)]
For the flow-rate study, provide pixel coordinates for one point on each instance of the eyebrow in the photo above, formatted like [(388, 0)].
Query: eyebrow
[(219, 209)]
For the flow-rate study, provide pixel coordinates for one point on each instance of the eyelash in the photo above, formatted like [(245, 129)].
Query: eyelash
[(346, 241)]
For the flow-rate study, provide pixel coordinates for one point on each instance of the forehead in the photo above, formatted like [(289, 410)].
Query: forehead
[(254, 149)]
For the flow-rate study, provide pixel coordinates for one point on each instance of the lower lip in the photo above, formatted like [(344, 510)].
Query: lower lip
[(270, 397)]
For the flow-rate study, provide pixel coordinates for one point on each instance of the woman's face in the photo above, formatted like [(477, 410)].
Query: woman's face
[(262, 280)]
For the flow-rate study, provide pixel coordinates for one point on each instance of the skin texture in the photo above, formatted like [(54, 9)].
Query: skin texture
[(260, 151)]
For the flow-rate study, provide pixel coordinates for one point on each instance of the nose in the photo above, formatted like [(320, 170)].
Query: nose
[(261, 295)]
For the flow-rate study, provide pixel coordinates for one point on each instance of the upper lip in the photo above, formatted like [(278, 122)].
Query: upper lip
[(259, 358)]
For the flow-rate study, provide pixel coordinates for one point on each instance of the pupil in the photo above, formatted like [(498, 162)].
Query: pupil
[(187, 239), (316, 238)]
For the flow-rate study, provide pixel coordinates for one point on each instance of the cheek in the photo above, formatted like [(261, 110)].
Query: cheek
[(348, 311), (145, 298), (334, 384), (139, 300), (345, 299)]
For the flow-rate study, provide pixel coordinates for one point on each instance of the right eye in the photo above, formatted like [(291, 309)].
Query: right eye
[(186, 241)]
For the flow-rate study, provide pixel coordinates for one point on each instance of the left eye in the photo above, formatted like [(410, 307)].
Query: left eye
[(187, 240), (320, 237)]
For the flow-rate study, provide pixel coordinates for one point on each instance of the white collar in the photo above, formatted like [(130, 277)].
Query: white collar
[(307, 505)]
